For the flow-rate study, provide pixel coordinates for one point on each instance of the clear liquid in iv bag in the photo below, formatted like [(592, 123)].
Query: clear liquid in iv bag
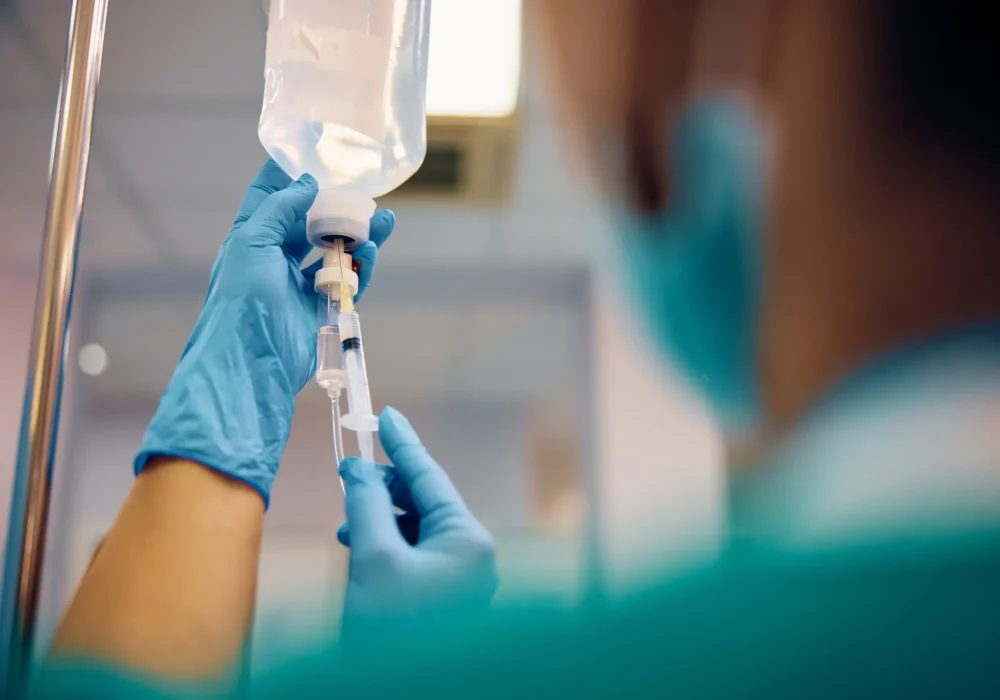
[(345, 91)]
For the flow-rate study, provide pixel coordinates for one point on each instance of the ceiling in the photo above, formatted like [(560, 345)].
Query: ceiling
[(174, 148), (483, 349)]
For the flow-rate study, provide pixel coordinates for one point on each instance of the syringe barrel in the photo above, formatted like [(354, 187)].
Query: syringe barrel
[(330, 373), (329, 361), (359, 401), (327, 311)]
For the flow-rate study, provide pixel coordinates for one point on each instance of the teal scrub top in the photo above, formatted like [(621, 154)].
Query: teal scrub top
[(892, 619), (865, 562)]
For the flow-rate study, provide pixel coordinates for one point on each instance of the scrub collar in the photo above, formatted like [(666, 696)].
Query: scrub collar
[(909, 443)]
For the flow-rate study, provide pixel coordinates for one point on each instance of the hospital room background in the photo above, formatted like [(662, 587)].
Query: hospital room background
[(494, 321)]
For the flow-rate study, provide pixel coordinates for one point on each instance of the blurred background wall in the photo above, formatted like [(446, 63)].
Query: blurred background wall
[(587, 460)]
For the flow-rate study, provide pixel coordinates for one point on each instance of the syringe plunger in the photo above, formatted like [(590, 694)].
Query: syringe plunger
[(360, 418)]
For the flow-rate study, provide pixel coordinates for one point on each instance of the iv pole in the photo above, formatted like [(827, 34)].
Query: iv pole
[(29, 509)]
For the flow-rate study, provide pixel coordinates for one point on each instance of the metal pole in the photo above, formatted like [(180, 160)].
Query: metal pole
[(40, 419)]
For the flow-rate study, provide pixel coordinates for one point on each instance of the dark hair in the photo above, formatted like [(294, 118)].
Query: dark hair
[(942, 69)]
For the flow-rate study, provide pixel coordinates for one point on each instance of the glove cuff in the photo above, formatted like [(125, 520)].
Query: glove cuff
[(226, 407)]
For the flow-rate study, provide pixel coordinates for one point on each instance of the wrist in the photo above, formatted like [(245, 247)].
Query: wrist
[(200, 481)]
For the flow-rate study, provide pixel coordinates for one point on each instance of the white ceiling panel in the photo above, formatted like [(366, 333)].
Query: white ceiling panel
[(193, 233), (25, 144), (175, 148), (196, 156), (25, 148), (422, 236), (528, 351), (21, 80), (194, 50), (20, 236), (566, 233), (143, 341), (25, 137), (543, 171), (425, 337), (112, 239), (41, 28), (175, 134), (482, 350), (440, 235)]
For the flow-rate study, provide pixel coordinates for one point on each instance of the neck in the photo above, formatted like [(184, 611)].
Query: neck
[(876, 244)]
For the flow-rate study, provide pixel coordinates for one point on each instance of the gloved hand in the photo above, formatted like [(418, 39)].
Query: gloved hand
[(433, 562), (230, 403)]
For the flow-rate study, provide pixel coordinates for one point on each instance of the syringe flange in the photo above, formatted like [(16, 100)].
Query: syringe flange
[(360, 422)]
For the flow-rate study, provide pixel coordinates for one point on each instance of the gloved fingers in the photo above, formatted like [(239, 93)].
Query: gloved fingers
[(344, 534), (214, 274), (270, 179), (273, 223), (399, 491), (296, 245), (408, 524), (368, 506), (429, 486), (367, 255), (382, 225), (409, 527)]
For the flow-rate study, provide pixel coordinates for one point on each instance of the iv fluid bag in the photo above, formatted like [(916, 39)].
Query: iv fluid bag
[(345, 91)]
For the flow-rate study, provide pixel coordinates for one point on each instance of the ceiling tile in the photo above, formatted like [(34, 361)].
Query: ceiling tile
[(426, 337), (20, 234), (25, 150), (524, 351), (439, 235), (442, 237), (112, 239), (447, 348), (25, 147), (188, 49), (22, 81), (196, 156), (43, 26), (543, 234), (542, 173), (143, 340), (194, 233)]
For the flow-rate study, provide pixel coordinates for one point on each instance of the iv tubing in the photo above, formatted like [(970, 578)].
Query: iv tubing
[(338, 439)]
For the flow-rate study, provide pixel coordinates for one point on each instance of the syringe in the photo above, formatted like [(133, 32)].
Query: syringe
[(359, 418), (330, 374), (332, 378)]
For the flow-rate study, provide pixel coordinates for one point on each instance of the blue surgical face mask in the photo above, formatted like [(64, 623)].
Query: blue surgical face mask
[(695, 270)]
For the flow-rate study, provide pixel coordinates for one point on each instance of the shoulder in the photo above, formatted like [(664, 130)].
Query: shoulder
[(881, 617)]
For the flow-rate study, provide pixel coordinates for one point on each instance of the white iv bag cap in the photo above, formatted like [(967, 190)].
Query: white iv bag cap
[(340, 214)]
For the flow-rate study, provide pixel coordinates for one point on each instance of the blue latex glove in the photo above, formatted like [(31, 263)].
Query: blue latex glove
[(434, 561), (230, 403)]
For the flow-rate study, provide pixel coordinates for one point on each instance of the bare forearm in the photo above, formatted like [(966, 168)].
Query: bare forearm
[(171, 590)]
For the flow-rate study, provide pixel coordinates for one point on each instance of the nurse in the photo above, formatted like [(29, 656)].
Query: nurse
[(809, 202)]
